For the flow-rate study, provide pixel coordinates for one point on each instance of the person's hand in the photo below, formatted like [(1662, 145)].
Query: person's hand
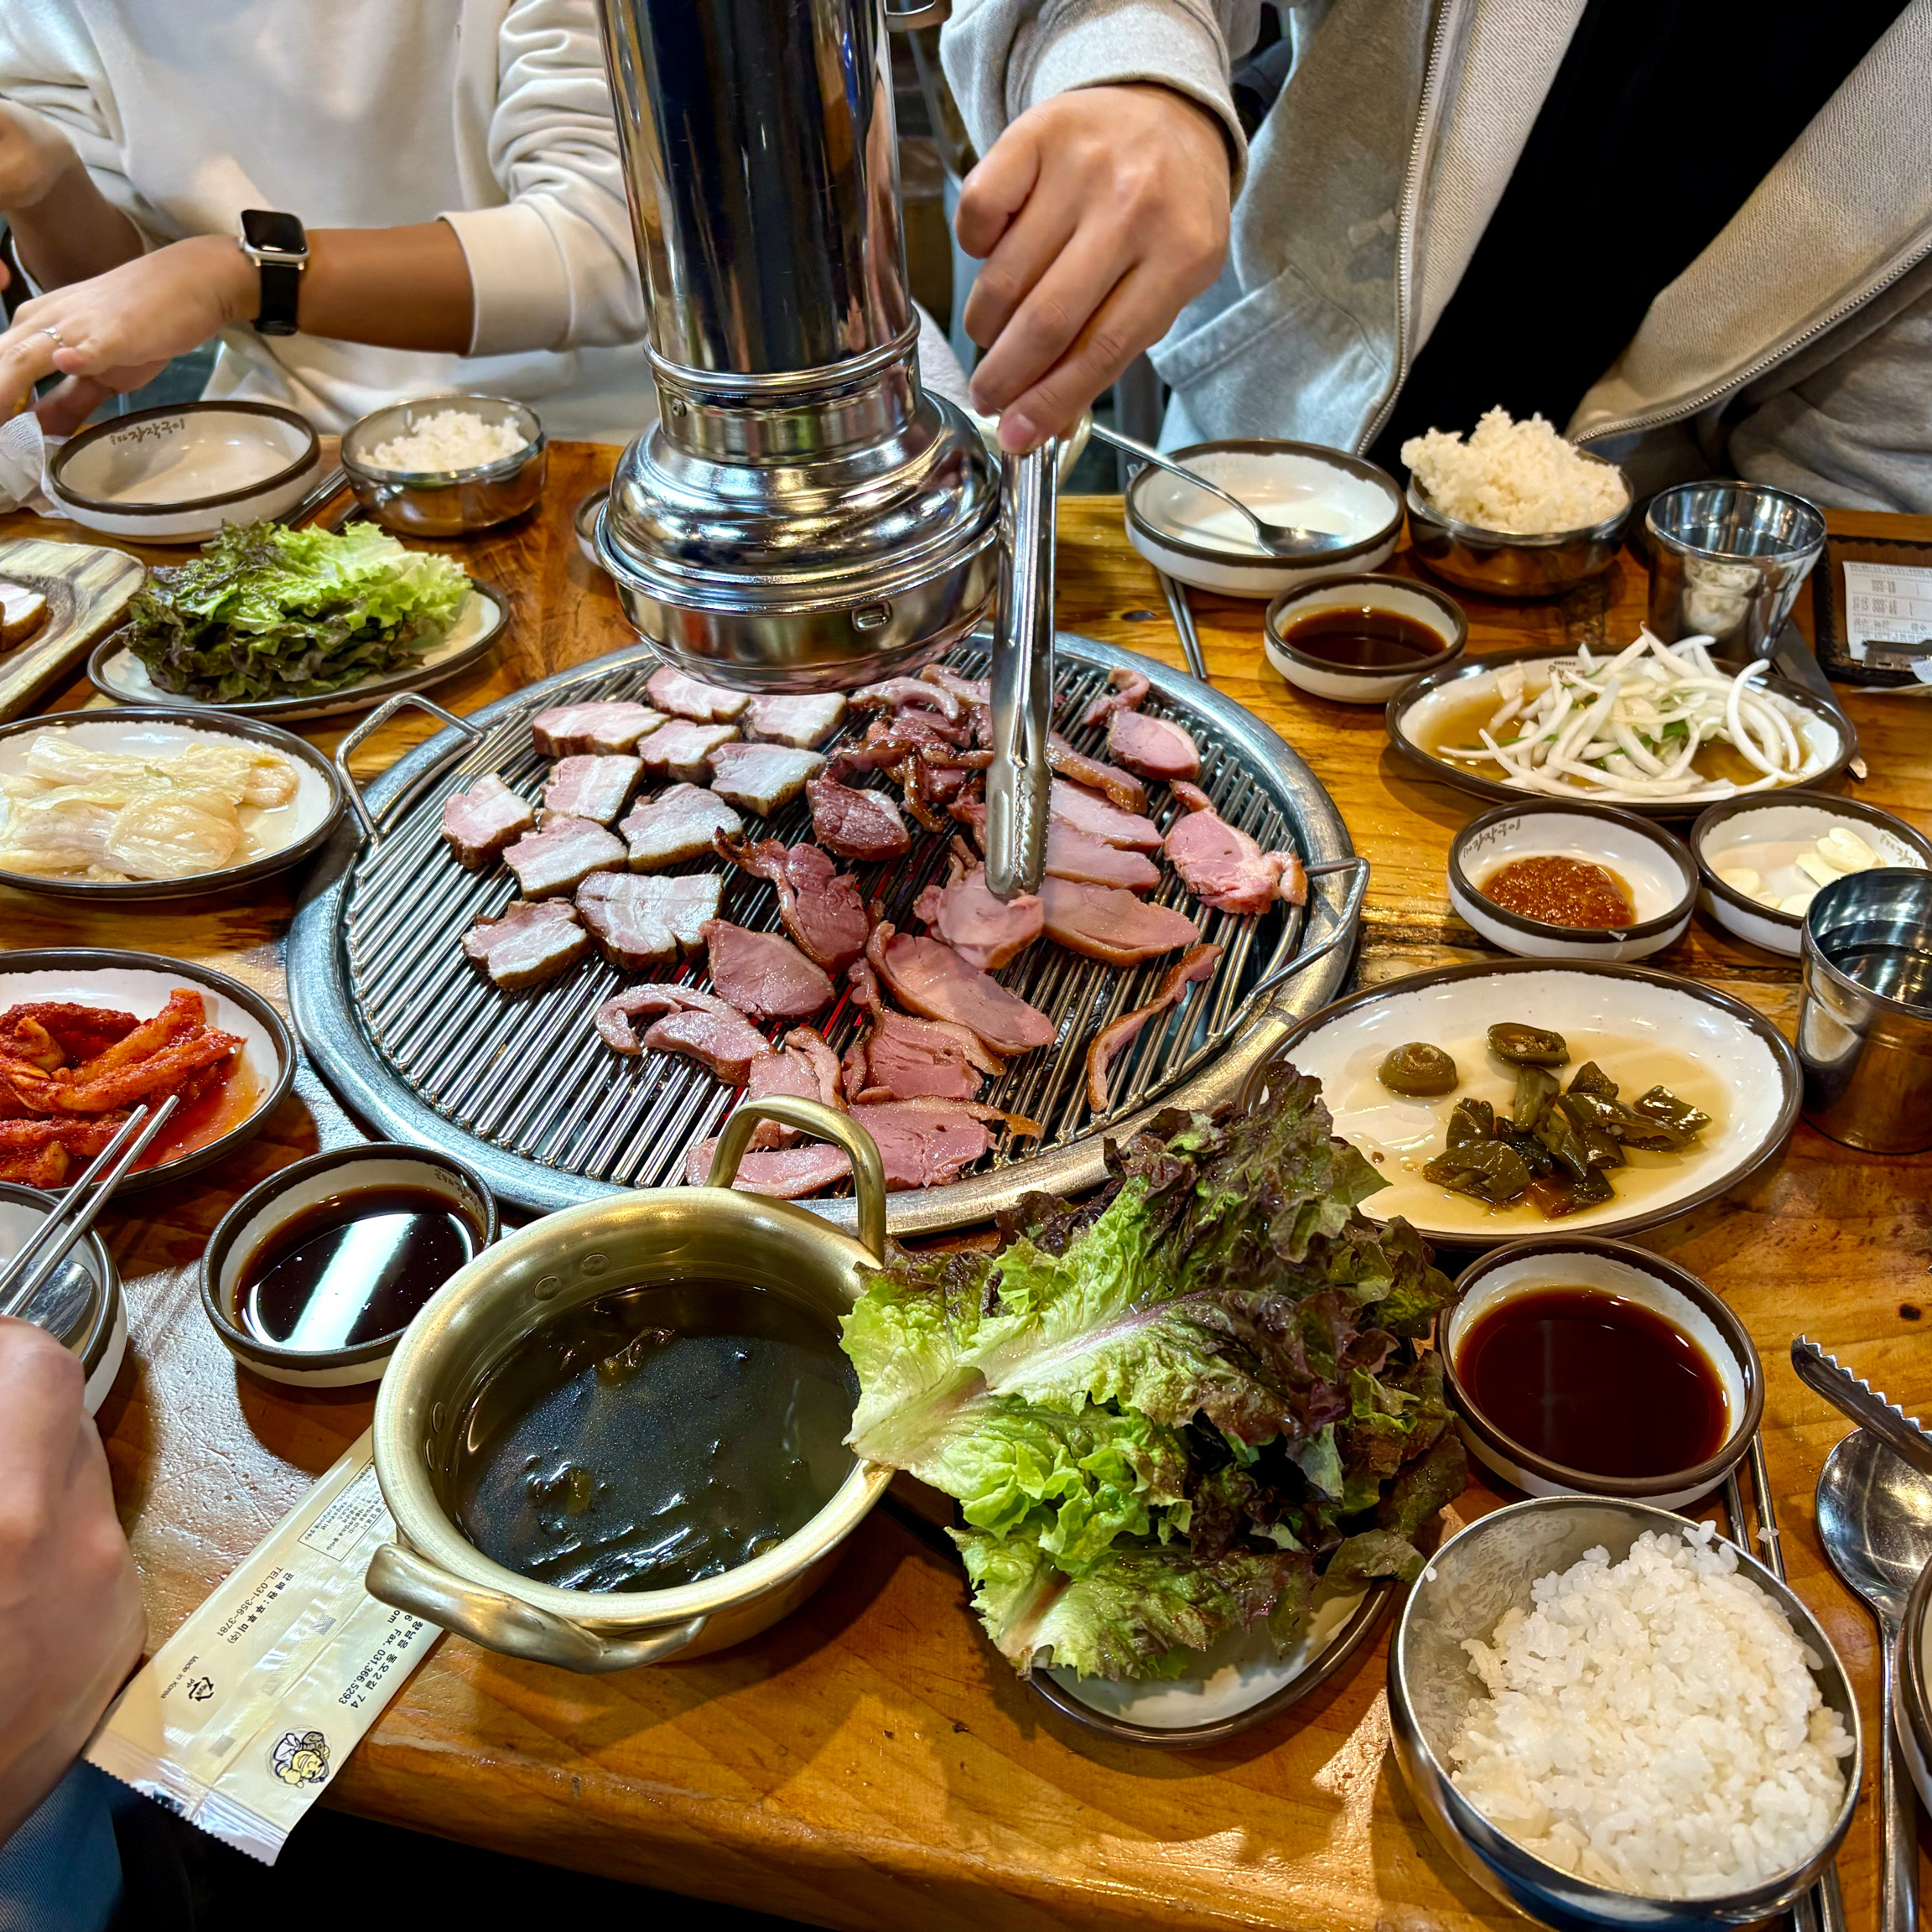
[(118, 330), (1100, 214), (70, 1620)]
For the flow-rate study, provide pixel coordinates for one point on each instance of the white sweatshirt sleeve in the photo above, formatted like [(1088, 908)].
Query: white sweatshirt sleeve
[(551, 264), (1003, 56)]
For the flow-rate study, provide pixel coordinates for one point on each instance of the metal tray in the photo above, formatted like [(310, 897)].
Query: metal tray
[(417, 1043)]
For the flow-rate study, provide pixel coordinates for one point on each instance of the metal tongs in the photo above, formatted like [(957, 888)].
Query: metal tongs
[(1018, 780)]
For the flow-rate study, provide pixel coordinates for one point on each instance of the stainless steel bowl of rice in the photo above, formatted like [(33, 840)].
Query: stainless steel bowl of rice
[(1612, 1718), (447, 465), (1515, 511)]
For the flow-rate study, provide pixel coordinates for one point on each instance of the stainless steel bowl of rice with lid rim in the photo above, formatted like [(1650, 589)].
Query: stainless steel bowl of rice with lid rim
[(1489, 1569)]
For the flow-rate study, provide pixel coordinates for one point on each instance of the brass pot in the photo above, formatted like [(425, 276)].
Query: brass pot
[(485, 1312)]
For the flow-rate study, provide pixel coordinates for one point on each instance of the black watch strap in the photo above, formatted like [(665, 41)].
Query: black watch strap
[(281, 289)]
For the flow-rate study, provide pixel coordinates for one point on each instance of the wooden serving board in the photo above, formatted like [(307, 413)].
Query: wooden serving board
[(869, 1764), (86, 586)]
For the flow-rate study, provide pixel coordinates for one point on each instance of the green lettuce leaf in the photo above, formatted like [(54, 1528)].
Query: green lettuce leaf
[(263, 611), (1136, 1613)]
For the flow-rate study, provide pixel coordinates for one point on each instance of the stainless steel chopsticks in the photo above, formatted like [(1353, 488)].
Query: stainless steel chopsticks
[(77, 1209), (1182, 612)]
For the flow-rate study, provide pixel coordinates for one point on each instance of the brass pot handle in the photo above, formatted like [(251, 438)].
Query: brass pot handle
[(823, 1123), (402, 1580)]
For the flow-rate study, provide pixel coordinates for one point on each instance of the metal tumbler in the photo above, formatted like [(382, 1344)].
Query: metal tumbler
[(1726, 561), (1865, 1025)]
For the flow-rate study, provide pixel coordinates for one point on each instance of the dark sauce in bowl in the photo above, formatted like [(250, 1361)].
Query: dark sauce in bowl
[(654, 1436), (353, 1268), (1587, 1379), (1365, 637)]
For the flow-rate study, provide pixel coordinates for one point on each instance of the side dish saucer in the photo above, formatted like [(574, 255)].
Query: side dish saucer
[(116, 672), (1642, 1027)]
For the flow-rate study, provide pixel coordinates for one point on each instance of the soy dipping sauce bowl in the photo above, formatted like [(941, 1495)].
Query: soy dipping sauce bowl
[(1440, 615), (1634, 1274), (1462, 1593), (264, 1211)]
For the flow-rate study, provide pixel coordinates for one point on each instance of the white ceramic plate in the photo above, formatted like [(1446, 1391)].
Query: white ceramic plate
[(176, 475), (1418, 715), (277, 838), (140, 983), (1641, 1027), (116, 672)]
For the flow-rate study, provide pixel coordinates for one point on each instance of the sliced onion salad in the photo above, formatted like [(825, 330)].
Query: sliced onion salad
[(1629, 727)]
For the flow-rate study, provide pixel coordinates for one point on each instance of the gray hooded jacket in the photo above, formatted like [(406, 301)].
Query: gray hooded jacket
[(1796, 350)]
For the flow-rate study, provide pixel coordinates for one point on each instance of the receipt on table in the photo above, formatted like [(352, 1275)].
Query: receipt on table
[(251, 1707)]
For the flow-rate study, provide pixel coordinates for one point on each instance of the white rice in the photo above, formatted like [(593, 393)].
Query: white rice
[(450, 440), (1519, 478), (1653, 1726)]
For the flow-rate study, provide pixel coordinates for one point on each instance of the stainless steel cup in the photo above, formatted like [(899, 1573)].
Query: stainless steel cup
[(1726, 560), (1865, 1027)]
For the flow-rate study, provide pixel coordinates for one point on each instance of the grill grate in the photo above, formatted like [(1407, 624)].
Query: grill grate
[(525, 1076)]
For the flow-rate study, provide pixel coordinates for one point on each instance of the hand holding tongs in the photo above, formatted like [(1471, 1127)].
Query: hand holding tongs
[(76, 1210)]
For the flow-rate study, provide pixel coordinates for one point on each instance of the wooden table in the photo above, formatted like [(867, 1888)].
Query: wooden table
[(870, 1762)]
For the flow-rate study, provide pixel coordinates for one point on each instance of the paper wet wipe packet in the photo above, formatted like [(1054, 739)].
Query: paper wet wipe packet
[(252, 1706)]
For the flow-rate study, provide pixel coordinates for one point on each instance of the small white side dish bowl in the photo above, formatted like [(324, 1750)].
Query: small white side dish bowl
[(1461, 1595), (82, 1304), (1347, 685), (1632, 1274), (176, 475), (282, 836), (1656, 866), (1767, 832), (260, 1213), (1197, 539)]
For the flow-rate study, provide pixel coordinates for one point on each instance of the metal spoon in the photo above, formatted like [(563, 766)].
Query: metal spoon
[(1875, 1520), (1282, 539)]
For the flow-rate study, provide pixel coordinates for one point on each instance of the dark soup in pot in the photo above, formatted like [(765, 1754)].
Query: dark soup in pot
[(653, 1438), (1587, 1379)]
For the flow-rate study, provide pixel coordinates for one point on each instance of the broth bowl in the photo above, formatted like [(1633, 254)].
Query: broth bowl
[(1633, 1274), (488, 1310), (1462, 1593)]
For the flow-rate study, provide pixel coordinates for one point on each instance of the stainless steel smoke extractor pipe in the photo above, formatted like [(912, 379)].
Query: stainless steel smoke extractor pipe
[(804, 515)]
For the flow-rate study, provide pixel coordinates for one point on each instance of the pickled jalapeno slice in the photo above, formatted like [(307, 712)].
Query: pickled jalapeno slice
[(1418, 1070), (1528, 1046)]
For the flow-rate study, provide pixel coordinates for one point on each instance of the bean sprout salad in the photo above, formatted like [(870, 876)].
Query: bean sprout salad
[(1631, 726)]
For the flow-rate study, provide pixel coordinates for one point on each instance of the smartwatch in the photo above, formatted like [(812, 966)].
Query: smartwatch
[(278, 246)]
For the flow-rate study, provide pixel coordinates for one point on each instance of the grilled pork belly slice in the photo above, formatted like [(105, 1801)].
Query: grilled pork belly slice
[(803, 722), (1086, 812), (785, 1173), (764, 976), (1224, 868), (856, 824), (909, 693), (900, 1058), (561, 856), (643, 922), (967, 690), (699, 1026), (1109, 925), (984, 931), (529, 942), (601, 727), (677, 824), (1121, 787), (762, 778), (1196, 964), (598, 788), (822, 907), (937, 984), (1154, 747), (478, 823), (683, 750), (1129, 689), (684, 696)]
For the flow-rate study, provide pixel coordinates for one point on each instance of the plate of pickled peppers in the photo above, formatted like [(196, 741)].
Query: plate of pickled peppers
[(1503, 1100)]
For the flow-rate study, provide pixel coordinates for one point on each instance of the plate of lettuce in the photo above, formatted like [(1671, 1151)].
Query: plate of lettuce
[(1191, 1426), (268, 622)]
